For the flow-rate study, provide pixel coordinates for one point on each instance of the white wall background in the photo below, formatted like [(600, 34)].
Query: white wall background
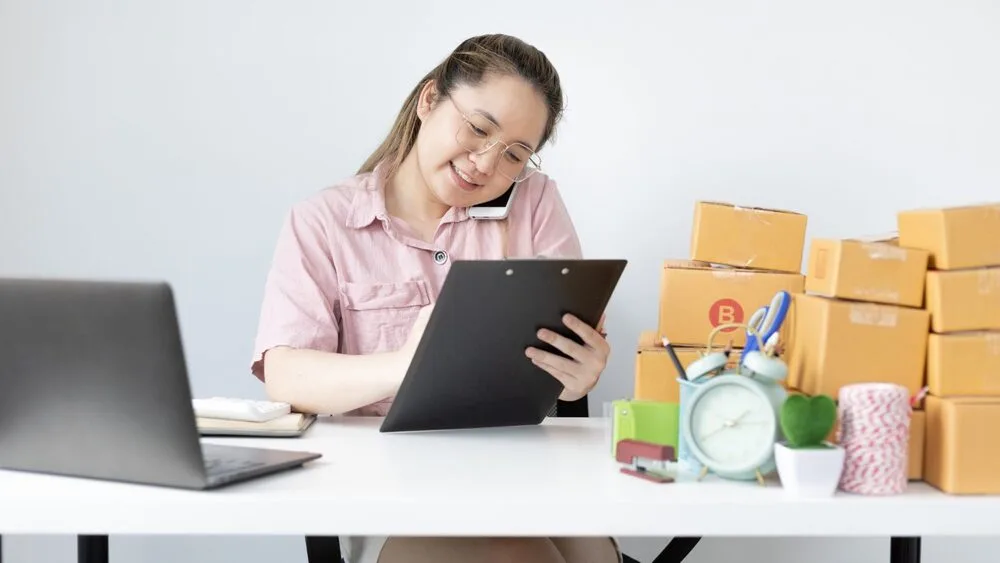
[(167, 139)]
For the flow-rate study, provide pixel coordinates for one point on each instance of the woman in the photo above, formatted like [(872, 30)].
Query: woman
[(358, 266)]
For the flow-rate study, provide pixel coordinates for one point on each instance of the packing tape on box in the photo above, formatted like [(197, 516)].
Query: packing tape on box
[(884, 251), (732, 274), (879, 295), (989, 281), (993, 343), (872, 314), (754, 213), (875, 434)]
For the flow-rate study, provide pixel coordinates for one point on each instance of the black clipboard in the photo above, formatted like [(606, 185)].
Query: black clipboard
[(469, 369)]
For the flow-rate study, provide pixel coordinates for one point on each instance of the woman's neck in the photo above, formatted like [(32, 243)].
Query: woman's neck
[(409, 198)]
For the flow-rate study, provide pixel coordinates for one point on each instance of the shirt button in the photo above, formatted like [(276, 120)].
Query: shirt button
[(440, 256)]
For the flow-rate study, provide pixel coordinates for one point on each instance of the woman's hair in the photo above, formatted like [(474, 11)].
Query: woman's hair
[(474, 60)]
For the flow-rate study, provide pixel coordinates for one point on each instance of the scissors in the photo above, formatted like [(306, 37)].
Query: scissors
[(766, 321)]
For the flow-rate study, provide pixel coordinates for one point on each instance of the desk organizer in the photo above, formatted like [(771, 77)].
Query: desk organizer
[(653, 422)]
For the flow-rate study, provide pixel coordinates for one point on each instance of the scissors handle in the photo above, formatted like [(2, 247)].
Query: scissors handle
[(756, 322), (767, 320)]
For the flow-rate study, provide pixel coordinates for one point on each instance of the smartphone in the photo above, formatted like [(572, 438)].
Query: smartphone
[(497, 208)]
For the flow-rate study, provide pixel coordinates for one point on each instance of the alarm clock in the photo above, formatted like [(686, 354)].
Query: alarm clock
[(731, 426), (731, 421)]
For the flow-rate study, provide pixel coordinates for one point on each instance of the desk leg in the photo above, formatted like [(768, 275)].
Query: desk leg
[(92, 549), (904, 550), (677, 550)]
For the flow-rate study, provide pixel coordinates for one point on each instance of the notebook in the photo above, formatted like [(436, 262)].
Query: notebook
[(288, 425)]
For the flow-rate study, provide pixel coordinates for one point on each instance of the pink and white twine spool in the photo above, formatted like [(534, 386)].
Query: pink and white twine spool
[(875, 434)]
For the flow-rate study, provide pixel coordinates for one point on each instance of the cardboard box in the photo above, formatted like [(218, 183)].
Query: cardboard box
[(964, 364), (655, 375), (695, 298), (956, 237), (918, 435), (748, 237), (876, 272), (961, 300), (961, 451), (836, 343)]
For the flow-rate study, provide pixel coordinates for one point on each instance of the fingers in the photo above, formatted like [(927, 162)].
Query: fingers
[(574, 385), (565, 365), (580, 371), (590, 336), (567, 380), (563, 344), (592, 339)]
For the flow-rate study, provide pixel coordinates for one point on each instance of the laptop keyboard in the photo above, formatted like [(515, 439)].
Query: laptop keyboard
[(219, 466)]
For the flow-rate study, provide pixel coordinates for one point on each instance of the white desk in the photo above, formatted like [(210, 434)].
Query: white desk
[(482, 482)]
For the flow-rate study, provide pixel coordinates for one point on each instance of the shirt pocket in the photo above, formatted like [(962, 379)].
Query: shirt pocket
[(378, 316)]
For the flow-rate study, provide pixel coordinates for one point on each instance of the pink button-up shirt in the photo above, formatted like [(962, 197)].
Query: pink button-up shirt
[(346, 277)]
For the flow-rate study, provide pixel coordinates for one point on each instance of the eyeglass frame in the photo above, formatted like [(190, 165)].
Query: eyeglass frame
[(494, 143)]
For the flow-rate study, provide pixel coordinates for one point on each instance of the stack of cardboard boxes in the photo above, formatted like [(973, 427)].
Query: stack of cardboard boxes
[(919, 308), (740, 258), (861, 320), (962, 449)]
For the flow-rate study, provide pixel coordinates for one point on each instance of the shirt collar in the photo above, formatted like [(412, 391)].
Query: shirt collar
[(368, 203)]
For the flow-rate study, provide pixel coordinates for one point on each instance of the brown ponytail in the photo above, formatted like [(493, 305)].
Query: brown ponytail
[(401, 137)]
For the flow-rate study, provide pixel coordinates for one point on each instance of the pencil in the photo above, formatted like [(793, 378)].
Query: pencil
[(674, 358)]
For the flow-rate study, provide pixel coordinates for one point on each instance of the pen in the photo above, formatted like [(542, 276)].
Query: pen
[(673, 358)]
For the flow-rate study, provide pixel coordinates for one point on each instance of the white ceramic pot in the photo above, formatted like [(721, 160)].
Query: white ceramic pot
[(810, 472)]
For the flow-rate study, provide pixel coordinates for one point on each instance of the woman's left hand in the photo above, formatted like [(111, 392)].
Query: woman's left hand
[(578, 373)]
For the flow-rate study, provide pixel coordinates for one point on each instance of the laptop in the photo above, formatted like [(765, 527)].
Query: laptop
[(94, 384)]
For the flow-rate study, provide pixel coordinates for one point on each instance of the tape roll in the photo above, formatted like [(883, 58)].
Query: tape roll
[(875, 434)]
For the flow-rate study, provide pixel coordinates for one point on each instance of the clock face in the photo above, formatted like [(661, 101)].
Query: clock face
[(734, 427)]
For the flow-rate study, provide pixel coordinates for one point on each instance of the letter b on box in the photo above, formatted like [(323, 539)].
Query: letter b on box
[(725, 311)]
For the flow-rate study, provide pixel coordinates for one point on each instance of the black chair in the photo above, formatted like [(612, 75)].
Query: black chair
[(326, 549)]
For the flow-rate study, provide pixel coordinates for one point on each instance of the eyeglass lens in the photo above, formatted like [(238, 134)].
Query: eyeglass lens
[(478, 135)]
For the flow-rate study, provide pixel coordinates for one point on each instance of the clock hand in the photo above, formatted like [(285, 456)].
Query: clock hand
[(713, 432), (725, 425), (733, 421)]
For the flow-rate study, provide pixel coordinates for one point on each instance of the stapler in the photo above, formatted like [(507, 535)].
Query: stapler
[(646, 460)]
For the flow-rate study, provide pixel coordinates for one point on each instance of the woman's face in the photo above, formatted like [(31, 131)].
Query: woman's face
[(506, 112)]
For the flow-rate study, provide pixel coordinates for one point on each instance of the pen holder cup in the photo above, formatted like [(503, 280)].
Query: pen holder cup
[(687, 462)]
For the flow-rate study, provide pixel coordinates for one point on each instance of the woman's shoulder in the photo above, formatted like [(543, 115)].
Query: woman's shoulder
[(539, 194), (343, 202)]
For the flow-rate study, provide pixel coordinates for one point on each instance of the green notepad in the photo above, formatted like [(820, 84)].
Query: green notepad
[(647, 421)]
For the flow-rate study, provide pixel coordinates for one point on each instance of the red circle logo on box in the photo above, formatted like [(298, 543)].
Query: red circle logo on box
[(725, 311)]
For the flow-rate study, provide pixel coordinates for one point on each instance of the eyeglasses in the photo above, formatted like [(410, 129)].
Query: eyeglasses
[(478, 135)]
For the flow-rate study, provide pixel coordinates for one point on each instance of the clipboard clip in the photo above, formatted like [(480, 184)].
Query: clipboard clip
[(645, 460)]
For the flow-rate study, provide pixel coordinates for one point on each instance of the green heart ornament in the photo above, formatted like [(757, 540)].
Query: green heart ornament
[(807, 421)]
